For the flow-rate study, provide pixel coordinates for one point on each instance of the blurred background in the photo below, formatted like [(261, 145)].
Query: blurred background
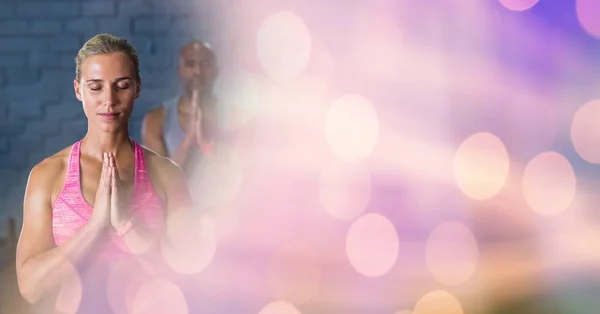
[(387, 156)]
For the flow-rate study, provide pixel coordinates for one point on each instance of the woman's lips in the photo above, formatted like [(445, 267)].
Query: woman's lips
[(109, 115)]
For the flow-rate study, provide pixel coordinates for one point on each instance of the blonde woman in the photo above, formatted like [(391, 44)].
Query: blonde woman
[(86, 204)]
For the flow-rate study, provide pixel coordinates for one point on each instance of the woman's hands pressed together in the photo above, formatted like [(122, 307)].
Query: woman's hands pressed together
[(118, 218), (101, 216), (108, 208)]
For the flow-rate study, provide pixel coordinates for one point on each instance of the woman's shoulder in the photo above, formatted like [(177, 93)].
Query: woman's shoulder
[(167, 177), (55, 162), (50, 168), (162, 166)]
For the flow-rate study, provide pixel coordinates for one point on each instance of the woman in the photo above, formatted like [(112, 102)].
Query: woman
[(105, 197)]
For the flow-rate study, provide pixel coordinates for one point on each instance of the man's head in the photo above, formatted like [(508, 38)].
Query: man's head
[(197, 67)]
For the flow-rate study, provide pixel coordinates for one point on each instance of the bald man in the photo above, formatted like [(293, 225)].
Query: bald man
[(185, 124)]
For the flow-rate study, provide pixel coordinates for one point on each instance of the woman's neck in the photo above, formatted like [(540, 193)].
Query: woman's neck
[(95, 143)]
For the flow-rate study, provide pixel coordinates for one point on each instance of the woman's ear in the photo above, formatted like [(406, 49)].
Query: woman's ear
[(77, 91), (138, 89)]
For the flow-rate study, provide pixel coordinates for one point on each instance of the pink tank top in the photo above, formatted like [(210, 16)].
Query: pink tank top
[(71, 211)]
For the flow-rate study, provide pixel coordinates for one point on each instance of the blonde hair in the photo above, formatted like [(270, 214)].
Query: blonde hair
[(102, 44)]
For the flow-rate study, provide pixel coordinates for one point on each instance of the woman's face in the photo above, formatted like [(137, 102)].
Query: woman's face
[(107, 88)]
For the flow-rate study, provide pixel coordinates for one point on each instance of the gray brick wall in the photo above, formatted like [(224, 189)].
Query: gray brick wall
[(39, 113)]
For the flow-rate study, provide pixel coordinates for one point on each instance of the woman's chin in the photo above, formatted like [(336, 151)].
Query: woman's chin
[(111, 128)]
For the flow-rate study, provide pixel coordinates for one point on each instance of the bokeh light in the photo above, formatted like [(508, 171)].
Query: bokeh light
[(226, 221), (279, 307), (160, 296), (352, 127), (69, 296), (587, 14), (135, 245), (549, 183), (518, 5), (295, 274), (527, 112), (452, 253), (438, 302), (377, 48), (283, 45), (481, 166), (192, 243), (124, 281), (321, 66), (217, 179), (585, 131), (341, 121), (372, 245), (345, 190), (293, 138), (242, 96)]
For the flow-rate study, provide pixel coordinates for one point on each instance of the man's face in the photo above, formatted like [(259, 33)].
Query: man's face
[(197, 67)]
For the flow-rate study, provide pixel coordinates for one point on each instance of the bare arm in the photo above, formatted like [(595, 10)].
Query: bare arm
[(169, 177), (41, 265), (182, 225), (175, 185), (152, 131), (152, 137), (177, 199), (180, 156)]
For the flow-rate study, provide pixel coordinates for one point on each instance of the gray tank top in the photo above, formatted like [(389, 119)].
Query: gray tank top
[(172, 133)]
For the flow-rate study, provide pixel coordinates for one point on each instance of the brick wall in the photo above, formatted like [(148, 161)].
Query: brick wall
[(39, 113)]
